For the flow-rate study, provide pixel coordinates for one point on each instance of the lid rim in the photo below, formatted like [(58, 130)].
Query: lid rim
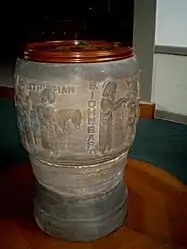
[(90, 51)]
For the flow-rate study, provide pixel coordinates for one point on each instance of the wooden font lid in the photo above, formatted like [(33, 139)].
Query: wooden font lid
[(75, 51)]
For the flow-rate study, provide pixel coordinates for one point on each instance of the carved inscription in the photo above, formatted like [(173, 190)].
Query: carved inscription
[(57, 89), (91, 119)]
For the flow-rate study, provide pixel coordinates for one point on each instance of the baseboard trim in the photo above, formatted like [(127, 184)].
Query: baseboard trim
[(172, 50), (147, 109), (175, 117)]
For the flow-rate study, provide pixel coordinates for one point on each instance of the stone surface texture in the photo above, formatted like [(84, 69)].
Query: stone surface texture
[(78, 122)]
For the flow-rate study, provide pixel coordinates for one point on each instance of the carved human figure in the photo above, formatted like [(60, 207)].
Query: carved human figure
[(23, 103), (35, 126), (108, 105), (48, 127), (133, 116), (133, 106)]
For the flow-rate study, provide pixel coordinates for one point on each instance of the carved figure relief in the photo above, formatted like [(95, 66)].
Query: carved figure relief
[(132, 120), (53, 122), (108, 105), (46, 116), (35, 127), (41, 124), (23, 103), (133, 84)]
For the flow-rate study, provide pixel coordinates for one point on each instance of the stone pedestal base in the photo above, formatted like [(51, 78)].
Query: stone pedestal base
[(76, 219)]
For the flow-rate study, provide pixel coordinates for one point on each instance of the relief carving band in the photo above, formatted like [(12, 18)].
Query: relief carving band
[(108, 105), (47, 128)]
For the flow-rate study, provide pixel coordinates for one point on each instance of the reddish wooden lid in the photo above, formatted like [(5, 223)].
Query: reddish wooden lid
[(75, 51)]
